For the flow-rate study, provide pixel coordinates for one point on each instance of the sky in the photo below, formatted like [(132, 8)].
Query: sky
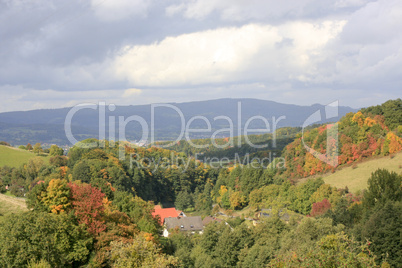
[(57, 53)]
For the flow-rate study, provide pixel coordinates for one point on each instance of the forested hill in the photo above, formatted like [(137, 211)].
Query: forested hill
[(47, 126), (371, 131), (255, 145)]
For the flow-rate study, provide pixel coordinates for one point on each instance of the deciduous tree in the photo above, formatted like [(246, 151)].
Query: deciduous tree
[(87, 203)]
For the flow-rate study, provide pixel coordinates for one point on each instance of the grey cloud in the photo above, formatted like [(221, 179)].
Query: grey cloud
[(268, 11), (69, 46)]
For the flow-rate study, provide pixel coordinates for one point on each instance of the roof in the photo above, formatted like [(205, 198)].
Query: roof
[(210, 219), (166, 213), (184, 223), (157, 207)]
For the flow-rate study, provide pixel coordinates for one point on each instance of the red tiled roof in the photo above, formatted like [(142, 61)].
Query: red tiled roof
[(166, 213), (157, 207)]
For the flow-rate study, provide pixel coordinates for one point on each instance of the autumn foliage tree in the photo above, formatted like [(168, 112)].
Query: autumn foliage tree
[(29, 147), (319, 208), (87, 202), (371, 131), (57, 195)]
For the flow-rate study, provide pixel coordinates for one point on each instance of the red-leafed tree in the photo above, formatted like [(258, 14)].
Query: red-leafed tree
[(319, 208), (87, 202)]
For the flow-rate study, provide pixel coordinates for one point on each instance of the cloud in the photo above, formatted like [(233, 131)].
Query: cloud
[(59, 53), (252, 52), (271, 10), (131, 92), (112, 10), (367, 54), (30, 98)]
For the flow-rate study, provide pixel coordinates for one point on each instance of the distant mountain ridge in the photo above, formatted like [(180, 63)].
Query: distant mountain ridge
[(47, 125)]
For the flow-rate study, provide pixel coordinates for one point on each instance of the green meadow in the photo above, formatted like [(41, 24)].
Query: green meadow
[(355, 177), (13, 157)]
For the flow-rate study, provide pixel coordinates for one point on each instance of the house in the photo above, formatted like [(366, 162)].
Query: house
[(164, 213), (184, 224)]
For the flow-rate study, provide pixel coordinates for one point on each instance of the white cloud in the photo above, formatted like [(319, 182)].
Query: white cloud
[(227, 55), (131, 92)]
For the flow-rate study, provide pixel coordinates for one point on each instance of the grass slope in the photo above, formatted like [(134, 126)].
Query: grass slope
[(14, 157), (9, 204), (356, 178)]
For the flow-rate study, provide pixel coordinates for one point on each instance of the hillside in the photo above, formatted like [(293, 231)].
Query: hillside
[(355, 177), (10, 205), (13, 157), (371, 132), (238, 147), (47, 126)]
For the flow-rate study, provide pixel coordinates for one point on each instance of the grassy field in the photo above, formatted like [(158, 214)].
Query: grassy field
[(356, 178), (14, 157), (9, 204)]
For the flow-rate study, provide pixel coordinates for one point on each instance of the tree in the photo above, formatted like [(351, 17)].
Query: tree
[(181, 245), (87, 203), (17, 190), (227, 250), (57, 196), (384, 230), (33, 168), (326, 192), (35, 197), (139, 211), (56, 150), (37, 149), (41, 264), (320, 208), (383, 186), (237, 200), (267, 238), (58, 161), (334, 250), (33, 236), (82, 171), (204, 201), (223, 198), (139, 253), (29, 147), (305, 236), (300, 198), (184, 200)]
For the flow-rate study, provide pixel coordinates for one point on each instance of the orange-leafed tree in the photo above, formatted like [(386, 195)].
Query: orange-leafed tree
[(87, 203), (395, 143)]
